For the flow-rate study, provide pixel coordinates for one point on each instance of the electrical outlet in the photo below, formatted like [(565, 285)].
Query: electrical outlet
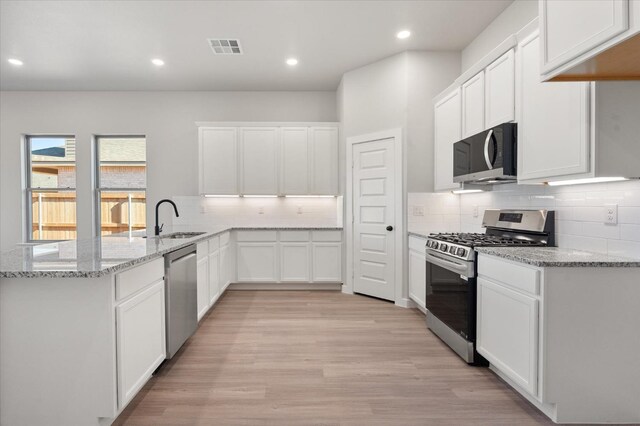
[(299, 209), (611, 214), (260, 210), (475, 211), (418, 210)]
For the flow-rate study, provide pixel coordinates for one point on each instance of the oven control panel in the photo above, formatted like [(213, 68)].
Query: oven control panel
[(455, 250)]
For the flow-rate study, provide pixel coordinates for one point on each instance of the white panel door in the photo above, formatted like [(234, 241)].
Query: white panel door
[(219, 161), (448, 127), (257, 262), (473, 105), (324, 170), (507, 336), (203, 286), (295, 262), (295, 161), (259, 154), (553, 121), (214, 276), (374, 218), (573, 27), (417, 277), (500, 98), (327, 262), (141, 342)]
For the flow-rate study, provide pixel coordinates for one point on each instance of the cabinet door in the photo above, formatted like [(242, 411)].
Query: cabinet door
[(214, 277), (257, 262), (327, 262), (294, 161), (141, 344), (571, 28), (500, 97), (218, 161), (417, 277), (324, 153), (447, 123), (203, 286), (295, 262), (507, 332), (473, 105), (259, 152), (225, 268), (553, 121)]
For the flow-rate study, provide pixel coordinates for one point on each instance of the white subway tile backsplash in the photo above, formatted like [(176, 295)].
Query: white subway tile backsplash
[(579, 213)]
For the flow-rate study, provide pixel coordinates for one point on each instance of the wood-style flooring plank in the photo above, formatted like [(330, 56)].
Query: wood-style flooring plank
[(321, 358)]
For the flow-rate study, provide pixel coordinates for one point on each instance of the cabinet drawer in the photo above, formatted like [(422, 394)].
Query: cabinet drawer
[(138, 277), (294, 235), (515, 276), (214, 244), (224, 239), (256, 236), (327, 236), (417, 244)]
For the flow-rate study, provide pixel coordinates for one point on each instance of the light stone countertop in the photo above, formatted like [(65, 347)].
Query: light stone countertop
[(100, 256), (559, 257)]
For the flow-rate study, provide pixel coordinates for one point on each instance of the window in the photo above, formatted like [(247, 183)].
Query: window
[(121, 169), (51, 188)]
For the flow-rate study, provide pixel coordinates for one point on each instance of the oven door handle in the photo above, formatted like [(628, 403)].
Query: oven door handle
[(446, 264)]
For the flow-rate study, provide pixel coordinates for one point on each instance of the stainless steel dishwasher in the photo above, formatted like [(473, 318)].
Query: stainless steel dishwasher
[(181, 270)]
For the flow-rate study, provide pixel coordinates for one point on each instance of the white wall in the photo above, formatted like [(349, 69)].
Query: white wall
[(512, 19), (166, 118), (397, 92), (579, 213)]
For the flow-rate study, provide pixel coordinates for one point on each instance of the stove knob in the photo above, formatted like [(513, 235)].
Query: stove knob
[(431, 244), (452, 250), (444, 247), (462, 252)]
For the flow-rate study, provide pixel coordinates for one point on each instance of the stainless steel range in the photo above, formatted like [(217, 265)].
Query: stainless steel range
[(452, 268)]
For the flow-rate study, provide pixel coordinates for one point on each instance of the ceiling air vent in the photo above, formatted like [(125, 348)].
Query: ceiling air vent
[(225, 46)]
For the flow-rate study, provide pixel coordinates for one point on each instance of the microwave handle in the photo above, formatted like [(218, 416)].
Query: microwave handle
[(486, 150)]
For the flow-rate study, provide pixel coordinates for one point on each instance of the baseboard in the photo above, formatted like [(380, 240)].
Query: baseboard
[(285, 286), (405, 303)]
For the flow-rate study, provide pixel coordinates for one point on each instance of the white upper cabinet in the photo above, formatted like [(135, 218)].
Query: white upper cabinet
[(447, 124), (218, 160), (570, 29), (269, 160), (553, 121), (324, 155), (294, 161), (500, 90), (473, 105), (259, 160)]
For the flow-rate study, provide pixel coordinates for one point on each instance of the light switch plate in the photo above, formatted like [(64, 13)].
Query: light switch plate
[(418, 210), (610, 214), (475, 211)]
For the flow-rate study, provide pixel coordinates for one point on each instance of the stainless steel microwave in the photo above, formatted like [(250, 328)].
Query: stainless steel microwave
[(489, 157)]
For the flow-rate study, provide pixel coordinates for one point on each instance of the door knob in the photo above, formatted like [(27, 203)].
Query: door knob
[(389, 228)]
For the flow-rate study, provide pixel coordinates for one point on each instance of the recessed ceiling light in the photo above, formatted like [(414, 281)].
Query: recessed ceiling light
[(157, 62), (403, 34), (292, 61), (14, 61)]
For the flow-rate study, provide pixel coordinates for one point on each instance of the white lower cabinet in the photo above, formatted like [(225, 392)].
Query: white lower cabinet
[(225, 268), (507, 334), (257, 261), (417, 270), (327, 262), (294, 262), (214, 276), (141, 344), (203, 279)]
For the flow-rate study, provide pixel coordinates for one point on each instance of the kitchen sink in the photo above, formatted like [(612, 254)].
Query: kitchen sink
[(181, 235)]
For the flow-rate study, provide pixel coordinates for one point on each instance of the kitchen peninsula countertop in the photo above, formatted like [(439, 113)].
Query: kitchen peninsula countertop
[(100, 256), (559, 257)]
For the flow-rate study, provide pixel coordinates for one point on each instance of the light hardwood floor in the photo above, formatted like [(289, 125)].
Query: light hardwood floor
[(321, 358)]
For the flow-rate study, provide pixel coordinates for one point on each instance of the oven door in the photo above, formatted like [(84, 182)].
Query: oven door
[(450, 293)]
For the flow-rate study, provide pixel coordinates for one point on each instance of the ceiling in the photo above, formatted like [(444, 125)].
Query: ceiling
[(108, 45)]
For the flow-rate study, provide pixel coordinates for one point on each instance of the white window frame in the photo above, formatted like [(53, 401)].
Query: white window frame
[(28, 189), (99, 189)]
